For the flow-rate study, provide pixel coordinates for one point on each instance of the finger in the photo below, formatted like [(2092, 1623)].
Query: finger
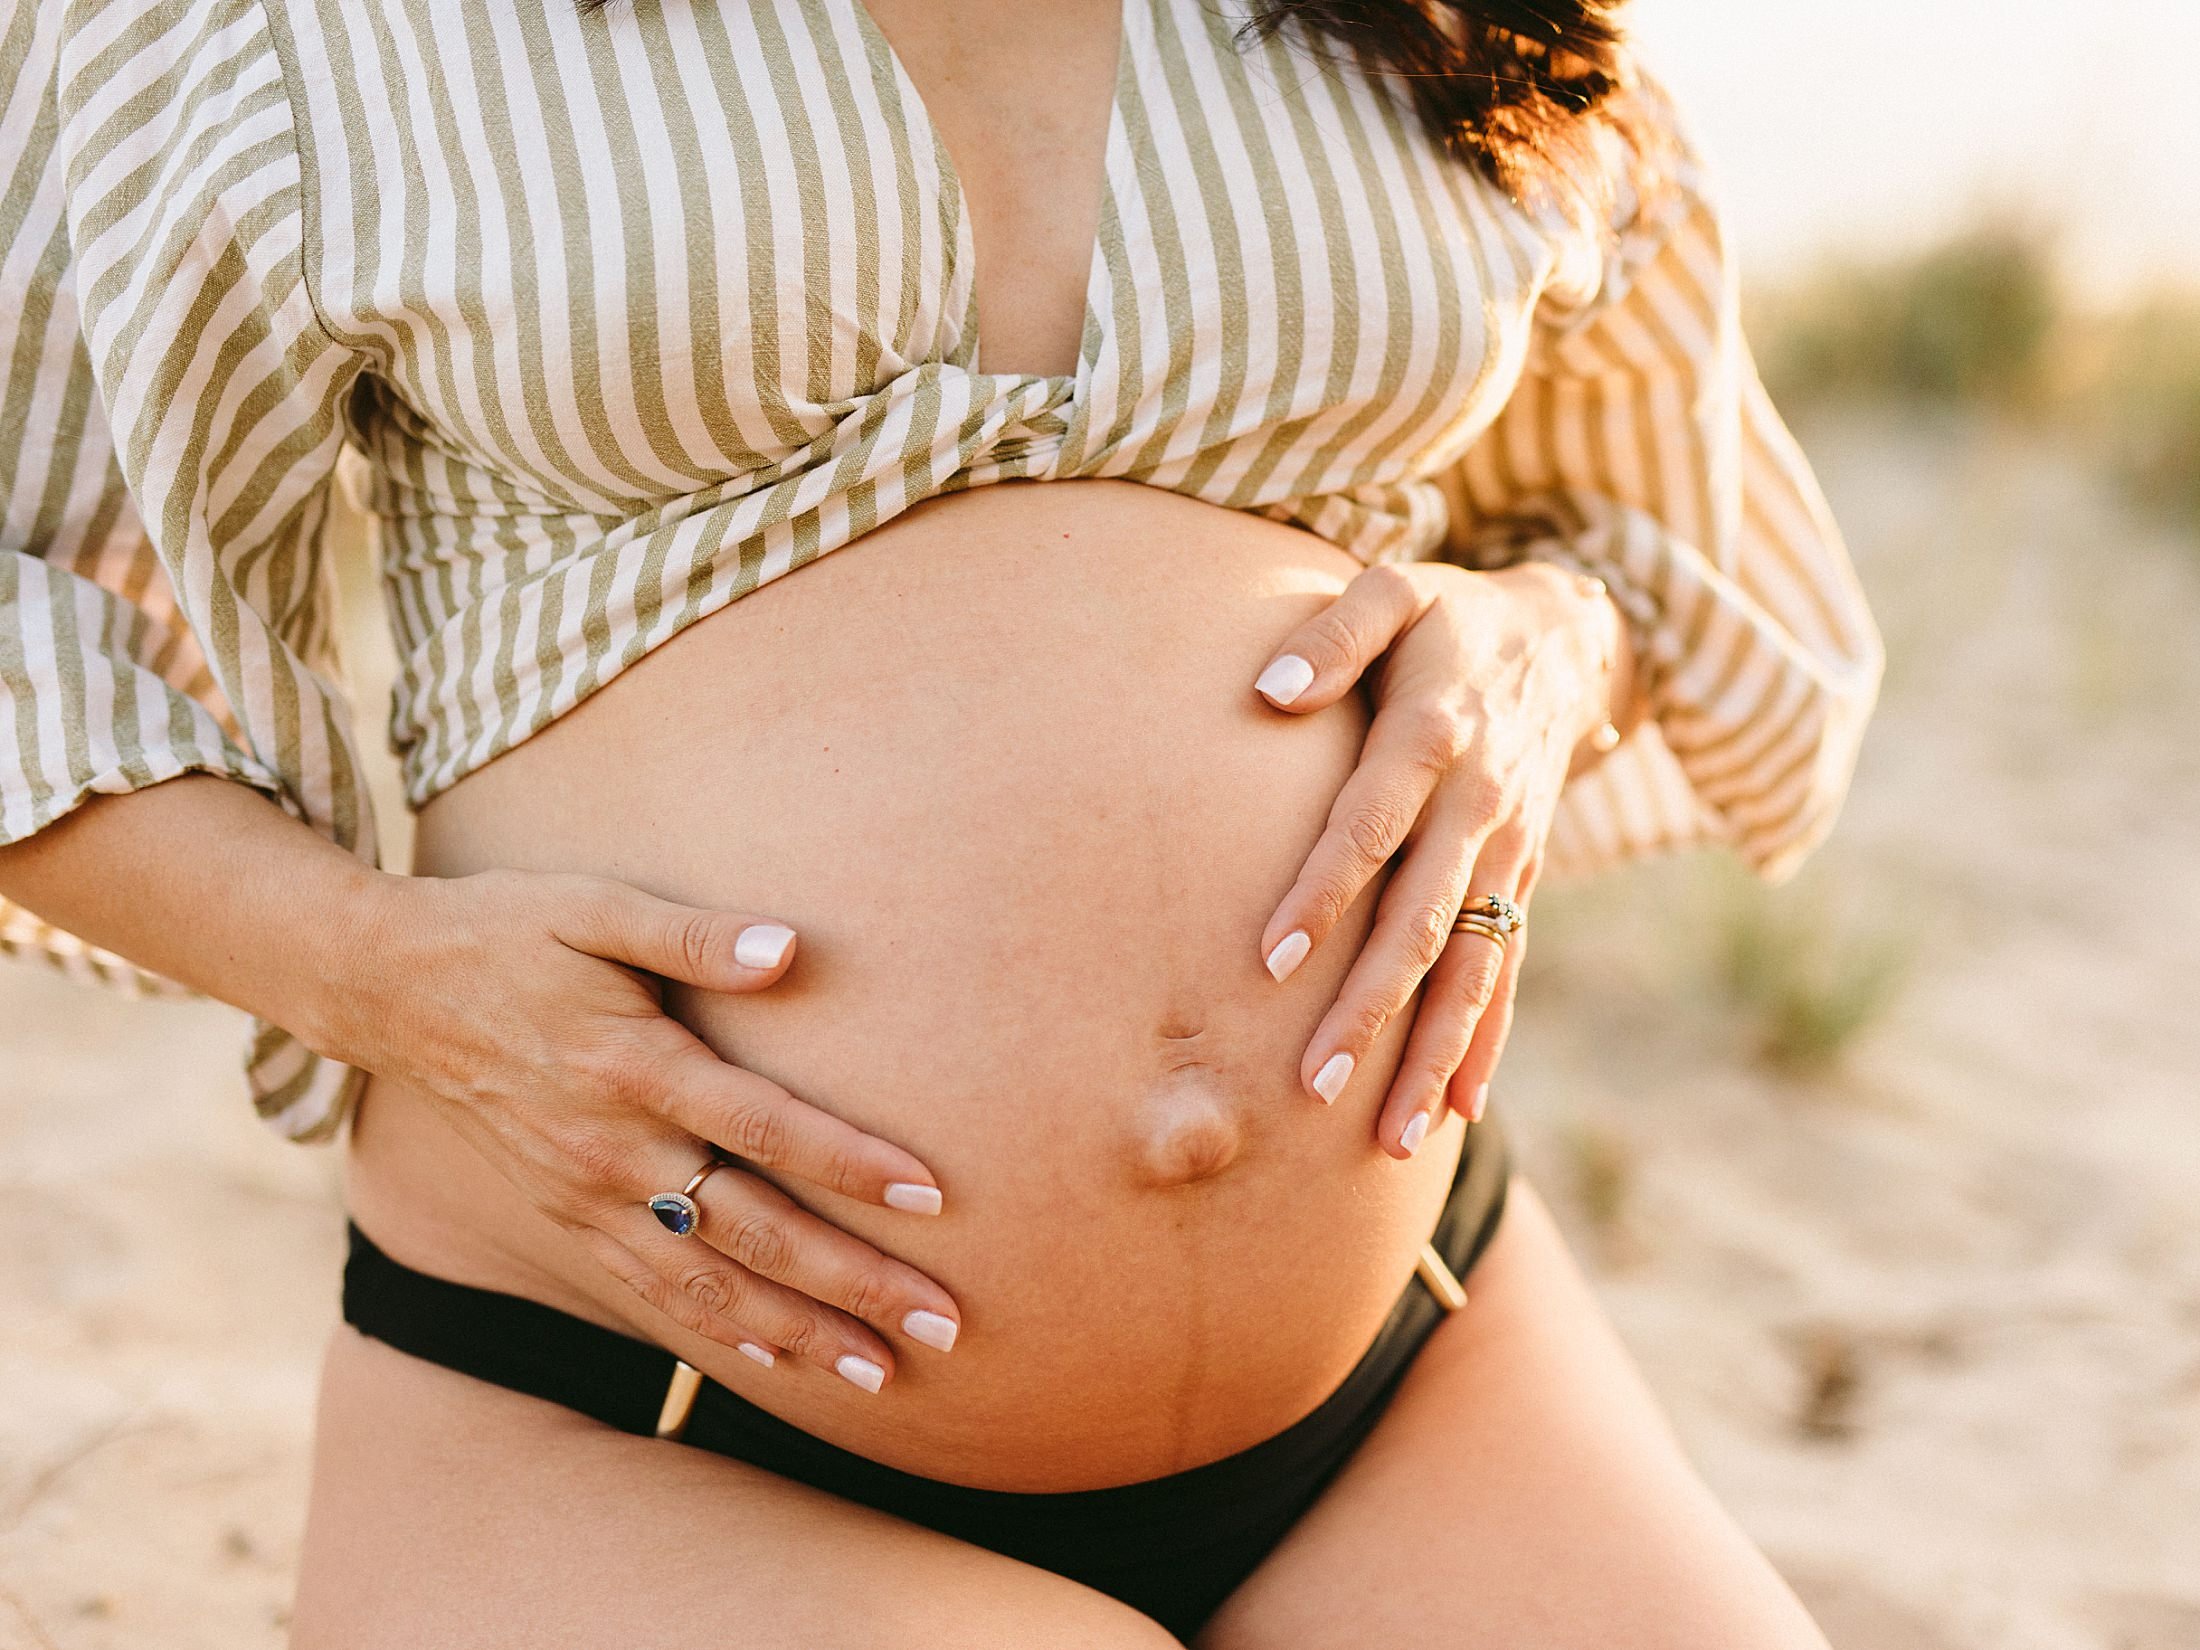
[(753, 1118), (753, 1222), (730, 1293), (1469, 1001), (662, 1297), (1400, 767), (716, 950), (1413, 922), (1473, 979), (1319, 661), (1468, 1091), (697, 1286), (714, 1297)]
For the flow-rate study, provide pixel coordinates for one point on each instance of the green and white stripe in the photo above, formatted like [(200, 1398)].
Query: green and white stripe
[(631, 312)]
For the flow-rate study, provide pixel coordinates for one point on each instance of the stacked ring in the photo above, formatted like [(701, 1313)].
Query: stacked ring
[(1496, 910), (676, 1211)]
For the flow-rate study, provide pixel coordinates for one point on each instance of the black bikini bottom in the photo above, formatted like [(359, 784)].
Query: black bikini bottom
[(1172, 1547)]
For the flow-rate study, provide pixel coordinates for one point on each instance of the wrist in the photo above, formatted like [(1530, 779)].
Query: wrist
[(341, 984), (1611, 645), (1575, 618)]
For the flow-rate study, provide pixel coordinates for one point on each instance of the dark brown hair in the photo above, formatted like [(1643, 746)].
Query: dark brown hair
[(1530, 91)]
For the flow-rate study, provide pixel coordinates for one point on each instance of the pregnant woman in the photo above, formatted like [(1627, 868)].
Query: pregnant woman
[(994, 604)]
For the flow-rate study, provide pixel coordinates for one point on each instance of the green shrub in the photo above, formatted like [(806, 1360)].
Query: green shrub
[(1971, 320), (1982, 321), (2137, 399), (1808, 985)]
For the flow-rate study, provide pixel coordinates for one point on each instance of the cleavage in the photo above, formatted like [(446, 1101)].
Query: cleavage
[(1021, 99)]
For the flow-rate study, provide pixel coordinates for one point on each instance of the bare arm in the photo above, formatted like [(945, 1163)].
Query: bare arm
[(210, 884)]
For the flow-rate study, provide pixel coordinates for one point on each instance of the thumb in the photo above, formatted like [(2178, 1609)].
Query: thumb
[(1321, 660), (716, 950)]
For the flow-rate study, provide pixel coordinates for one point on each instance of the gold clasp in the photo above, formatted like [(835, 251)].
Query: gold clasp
[(686, 1382), (1449, 1292)]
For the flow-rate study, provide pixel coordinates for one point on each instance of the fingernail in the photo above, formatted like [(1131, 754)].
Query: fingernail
[(1290, 951), (762, 945), (757, 1354), (931, 1329), (908, 1195), (860, 1372), (1481, 1104), (1336, 1071), (1416, 1131), (1285, 679)]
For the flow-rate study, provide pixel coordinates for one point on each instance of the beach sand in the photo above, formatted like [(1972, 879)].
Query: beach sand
[(1926, 1308)]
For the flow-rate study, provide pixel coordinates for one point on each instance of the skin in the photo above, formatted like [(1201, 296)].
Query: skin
[(521, 1013)]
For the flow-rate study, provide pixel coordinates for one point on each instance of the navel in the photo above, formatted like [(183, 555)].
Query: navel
[(1185, 1129)]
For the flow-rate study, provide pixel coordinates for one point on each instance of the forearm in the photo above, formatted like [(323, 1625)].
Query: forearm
[(209, 883)]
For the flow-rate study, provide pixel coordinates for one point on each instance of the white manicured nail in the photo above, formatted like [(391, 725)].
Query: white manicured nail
[(1336, 1071), (860, 1372), (757, 1354), (762, 945), (1290, 951), (1285, 679), (1481, 1104), (1415, 1131), (909, 1196), (931, 1329)]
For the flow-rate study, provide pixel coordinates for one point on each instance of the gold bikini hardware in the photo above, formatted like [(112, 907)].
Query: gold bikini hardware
[(687, 1381), (1449, 1292)]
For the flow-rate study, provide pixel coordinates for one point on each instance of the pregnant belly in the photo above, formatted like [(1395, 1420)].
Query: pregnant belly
[(1001, 765)]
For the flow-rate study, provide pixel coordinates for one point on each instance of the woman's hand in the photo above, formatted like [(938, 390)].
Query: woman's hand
[(1490, 684), (525, 1004)]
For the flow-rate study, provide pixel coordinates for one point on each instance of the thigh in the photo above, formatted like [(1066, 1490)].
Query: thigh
[(449, 1512), (1523, 1492)]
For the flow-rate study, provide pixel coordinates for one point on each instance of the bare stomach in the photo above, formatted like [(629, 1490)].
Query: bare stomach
[(1001, 765)]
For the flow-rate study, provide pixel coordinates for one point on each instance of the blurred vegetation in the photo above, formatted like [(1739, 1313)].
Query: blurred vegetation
[(1808, 984), (1831, 1362), (1604, 1175), (1971, 320), (1603, 1167), (2139, 388), (1985, 322)]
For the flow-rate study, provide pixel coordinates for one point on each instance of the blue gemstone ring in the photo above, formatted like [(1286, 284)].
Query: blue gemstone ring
[(676, 1211)]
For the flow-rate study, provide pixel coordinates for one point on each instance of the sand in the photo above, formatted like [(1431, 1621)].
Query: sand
[(1927, 1312)]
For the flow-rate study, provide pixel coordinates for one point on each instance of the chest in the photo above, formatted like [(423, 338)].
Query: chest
[(608, 259), (1022, 100)]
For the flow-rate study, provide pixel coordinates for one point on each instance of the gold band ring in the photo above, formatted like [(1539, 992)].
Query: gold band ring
[(1481, 925), (676, 1211)]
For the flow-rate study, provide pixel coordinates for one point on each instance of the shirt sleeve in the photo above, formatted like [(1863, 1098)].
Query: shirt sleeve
[(170, 419), (1640, 447)]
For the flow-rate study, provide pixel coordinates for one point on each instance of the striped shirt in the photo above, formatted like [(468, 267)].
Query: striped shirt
[(630, 312)]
